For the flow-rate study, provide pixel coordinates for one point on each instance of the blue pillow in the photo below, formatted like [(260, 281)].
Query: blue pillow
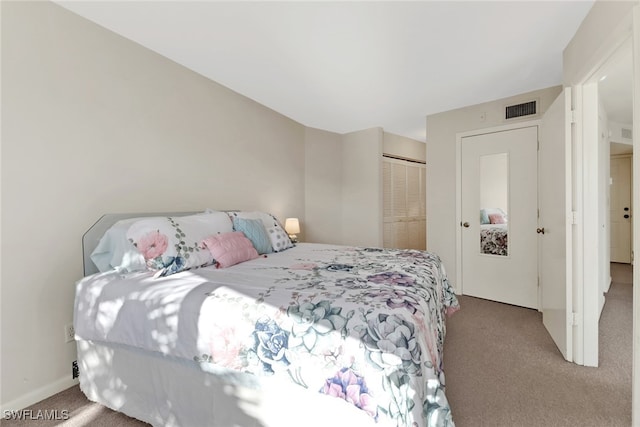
[(484, 217), (254, 230)]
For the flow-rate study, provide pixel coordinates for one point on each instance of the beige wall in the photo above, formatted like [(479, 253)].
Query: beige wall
[(323, 187), (343, 188), (403, 147), (93, 123), (604, 189), (594, 40), (441, 165), (362, 187)]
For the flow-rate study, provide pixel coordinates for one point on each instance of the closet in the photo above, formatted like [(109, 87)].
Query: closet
[(404, 204)]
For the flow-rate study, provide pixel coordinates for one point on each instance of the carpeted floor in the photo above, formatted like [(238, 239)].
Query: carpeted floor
[(502, 369), (80, 413)]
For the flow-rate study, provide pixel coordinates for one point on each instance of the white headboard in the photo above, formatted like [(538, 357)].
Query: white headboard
[(93, 235)]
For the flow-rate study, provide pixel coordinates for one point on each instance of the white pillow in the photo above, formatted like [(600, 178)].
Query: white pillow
[(115, 251), (173, 244), (279, 239), (269, 221)]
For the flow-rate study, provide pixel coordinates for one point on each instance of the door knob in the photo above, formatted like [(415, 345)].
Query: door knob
[(626, 216), (626, 209), (540, 230), (465, 225)]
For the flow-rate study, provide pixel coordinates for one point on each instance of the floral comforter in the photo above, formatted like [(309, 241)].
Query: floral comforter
[(365, 325)]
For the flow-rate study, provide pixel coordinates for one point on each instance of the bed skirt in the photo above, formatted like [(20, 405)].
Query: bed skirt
[(166, 391)]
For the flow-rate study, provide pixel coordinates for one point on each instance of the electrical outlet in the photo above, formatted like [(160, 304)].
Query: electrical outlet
[(69, 333)]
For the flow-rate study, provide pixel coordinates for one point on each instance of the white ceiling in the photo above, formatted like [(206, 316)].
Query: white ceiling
[(346, 66)]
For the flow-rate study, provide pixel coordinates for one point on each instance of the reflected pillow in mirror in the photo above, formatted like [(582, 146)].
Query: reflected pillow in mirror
[(496, 218)]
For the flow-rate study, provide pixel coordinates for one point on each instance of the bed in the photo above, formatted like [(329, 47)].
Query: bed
[(310, 334)]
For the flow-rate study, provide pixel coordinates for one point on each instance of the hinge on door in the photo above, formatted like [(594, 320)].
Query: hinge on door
[(574, 319), (574, 217), (574, 116)]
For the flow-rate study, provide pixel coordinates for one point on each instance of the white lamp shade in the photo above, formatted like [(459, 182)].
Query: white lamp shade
[(292, 225)]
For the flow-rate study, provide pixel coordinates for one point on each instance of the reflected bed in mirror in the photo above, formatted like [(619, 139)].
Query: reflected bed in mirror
[(493, 235)]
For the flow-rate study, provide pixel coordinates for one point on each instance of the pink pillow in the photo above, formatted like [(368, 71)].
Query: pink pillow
[(496, 218), (230, 248)]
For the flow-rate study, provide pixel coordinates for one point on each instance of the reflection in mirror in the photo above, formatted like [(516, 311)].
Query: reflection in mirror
[(494, 202)]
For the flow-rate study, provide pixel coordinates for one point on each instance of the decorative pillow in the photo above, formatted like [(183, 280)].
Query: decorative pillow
[(267, 219), (279, 239), (496, 218), (173, 244), (484, 216), (230, 248), (254, 230)]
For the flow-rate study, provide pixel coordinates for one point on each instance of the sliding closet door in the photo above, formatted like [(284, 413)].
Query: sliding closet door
[(404, 204)]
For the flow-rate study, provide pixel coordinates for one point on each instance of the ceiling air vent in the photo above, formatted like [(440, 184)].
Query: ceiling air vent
[(520, 110), (626, 133)]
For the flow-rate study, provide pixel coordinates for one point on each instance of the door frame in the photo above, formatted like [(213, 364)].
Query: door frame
[(587, 265), (584, 136), (459, 137), (635, 224)]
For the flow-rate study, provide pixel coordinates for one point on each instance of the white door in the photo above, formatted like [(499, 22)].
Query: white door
[(555, 233), (621, 209), (499, 216)]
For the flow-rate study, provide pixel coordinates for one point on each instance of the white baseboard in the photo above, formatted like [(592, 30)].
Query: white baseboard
[(602, 301), (608, 284), (36, 396)]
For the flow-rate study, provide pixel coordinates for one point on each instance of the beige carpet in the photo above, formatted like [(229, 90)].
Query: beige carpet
[(502, 369), (81, 412)]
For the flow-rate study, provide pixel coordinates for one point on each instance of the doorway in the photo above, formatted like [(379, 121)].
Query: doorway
[(607, 109), (615, 84), (620, 204)]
